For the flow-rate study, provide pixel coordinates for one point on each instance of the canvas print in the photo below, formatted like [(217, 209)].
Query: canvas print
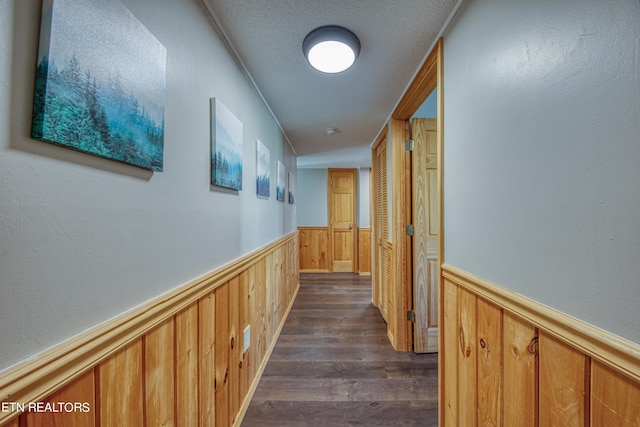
[(226, 147), (290, 187), (100, 82), (280, 182), (263, 162)]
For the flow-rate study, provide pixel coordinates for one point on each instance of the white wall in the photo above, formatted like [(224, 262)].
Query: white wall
[(83, 239), (364, 196), (312, 198), (542, 153)]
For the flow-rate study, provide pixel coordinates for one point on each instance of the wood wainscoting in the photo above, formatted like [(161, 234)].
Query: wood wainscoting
[(314, 250), (506, 360), (176, 360), (364, 251)]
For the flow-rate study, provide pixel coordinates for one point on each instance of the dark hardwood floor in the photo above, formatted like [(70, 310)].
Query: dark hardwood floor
[(333, 365)]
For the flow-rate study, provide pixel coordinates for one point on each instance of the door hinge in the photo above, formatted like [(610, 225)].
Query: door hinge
[(408, 145), (410, 230), (411, 316)]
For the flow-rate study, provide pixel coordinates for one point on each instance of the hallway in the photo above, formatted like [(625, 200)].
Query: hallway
[(333, 365)]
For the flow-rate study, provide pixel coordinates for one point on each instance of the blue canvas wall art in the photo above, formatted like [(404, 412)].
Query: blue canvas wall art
[(100, 82), (280, 181), (292, 196), (226, 147), (263, 172)]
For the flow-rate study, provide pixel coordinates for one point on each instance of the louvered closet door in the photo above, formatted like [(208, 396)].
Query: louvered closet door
[(383, 259)]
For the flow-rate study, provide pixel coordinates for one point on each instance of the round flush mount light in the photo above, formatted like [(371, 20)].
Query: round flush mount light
[(331, 131), (331, 49)]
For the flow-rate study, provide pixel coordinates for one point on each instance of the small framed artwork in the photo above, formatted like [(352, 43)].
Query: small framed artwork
[(226, 147), (263, 172), (280, 174), (290, 187), (100, 83)]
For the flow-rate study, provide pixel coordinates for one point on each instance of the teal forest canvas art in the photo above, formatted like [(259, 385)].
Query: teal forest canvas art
[(263, 173), (226, 147), (292, 197), (100, 82), (280, 177)]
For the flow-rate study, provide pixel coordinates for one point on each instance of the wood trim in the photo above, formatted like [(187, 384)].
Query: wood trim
[(37, 378), (382, 137), (422, 85), (612, 351)]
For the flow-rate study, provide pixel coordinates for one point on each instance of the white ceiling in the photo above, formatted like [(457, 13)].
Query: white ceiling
[(395, 37)]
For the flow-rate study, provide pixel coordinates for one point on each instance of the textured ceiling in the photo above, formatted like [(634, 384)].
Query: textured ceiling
[(395, 36)]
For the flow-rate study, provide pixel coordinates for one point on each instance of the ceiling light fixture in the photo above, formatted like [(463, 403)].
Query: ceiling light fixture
[(331, 49), (331, 131)]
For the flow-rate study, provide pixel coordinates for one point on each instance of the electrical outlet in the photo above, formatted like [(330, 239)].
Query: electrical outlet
[(246, 339)]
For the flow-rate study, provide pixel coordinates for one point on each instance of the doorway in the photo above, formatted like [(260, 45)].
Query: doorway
[(424, 212), (342, 192), (406, 301)]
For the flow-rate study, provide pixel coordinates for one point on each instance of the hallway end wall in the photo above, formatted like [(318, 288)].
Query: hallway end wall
[(313, 220)]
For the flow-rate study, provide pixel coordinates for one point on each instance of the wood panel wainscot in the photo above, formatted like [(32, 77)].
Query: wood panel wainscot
[(364, 251), (176, 360), (314, 249), (506, 360)]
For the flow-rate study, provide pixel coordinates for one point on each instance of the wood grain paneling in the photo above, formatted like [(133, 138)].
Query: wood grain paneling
[(449, 367), (364, 251), (467, 358), (564, 384), (121, 388), (222, 339), (615, 399), (490, 365), (507, 361), (207, 360), (159, 369), (81, 391), (521, 362), (235, 343), (314, 249), (187, 366), (183, 366)]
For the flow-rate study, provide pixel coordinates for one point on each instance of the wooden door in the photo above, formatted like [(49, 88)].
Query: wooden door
[(381, 230), (342, 219), (425, 234)]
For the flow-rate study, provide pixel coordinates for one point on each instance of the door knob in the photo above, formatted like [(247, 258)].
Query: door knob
[(350, 226)]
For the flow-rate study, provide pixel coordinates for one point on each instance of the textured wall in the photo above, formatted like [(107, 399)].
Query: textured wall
[(83, 239), (312, 197), (542, 131)]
